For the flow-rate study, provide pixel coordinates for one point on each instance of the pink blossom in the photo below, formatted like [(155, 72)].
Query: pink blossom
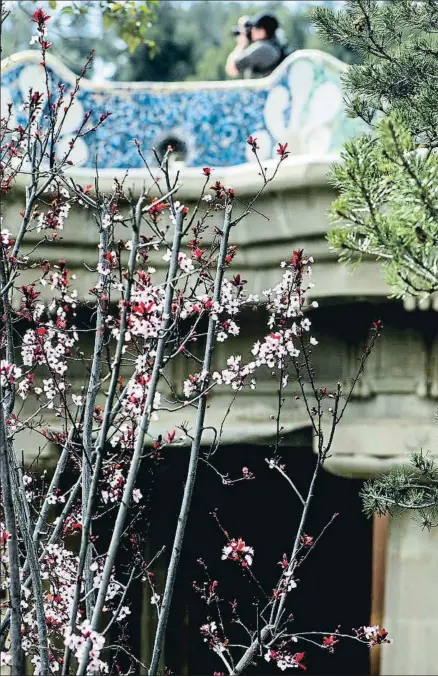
[(238, 551), (137, 495)]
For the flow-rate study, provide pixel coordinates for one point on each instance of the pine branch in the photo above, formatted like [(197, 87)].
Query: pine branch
[(412, 489)]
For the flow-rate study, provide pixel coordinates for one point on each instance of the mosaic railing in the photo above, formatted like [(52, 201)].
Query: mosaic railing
[(301, 103)]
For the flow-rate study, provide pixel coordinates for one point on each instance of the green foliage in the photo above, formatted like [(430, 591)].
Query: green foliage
[(398, 44), (131, 18), (387, 181), (134, 19), (411, 489), (387, 206), (179, 40), (112, 29)]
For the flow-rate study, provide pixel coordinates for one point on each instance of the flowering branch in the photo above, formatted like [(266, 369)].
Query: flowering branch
[(196, 444)]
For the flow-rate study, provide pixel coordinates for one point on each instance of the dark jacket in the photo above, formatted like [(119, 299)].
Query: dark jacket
[(260, 58)]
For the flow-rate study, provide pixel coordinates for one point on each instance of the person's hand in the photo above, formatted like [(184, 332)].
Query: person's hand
[(242, 40)]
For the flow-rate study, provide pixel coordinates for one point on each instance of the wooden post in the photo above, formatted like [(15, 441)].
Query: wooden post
[(380, 540)]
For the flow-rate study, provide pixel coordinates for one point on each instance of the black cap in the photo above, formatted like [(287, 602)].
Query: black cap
[(266, 21)]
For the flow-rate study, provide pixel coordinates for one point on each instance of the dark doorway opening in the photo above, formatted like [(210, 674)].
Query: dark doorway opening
[(334, 585), (179, 146)]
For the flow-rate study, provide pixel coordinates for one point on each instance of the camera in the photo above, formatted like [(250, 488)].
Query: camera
[(246, 25)]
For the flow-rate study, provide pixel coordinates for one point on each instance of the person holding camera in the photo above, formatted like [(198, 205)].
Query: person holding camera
[(258, 50)]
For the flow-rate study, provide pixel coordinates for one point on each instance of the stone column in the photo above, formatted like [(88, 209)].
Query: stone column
[(411, 599)]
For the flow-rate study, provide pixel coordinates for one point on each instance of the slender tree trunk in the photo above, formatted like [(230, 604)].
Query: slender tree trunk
[(15, 479), (138, 451), (90, 402), (13, 554), (194, 457)]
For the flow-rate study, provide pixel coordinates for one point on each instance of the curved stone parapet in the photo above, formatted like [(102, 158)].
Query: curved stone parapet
[(391, 412), (300, 103)]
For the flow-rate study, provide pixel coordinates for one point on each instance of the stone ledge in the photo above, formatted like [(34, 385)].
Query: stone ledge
[(302, 171), (369, 447)]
